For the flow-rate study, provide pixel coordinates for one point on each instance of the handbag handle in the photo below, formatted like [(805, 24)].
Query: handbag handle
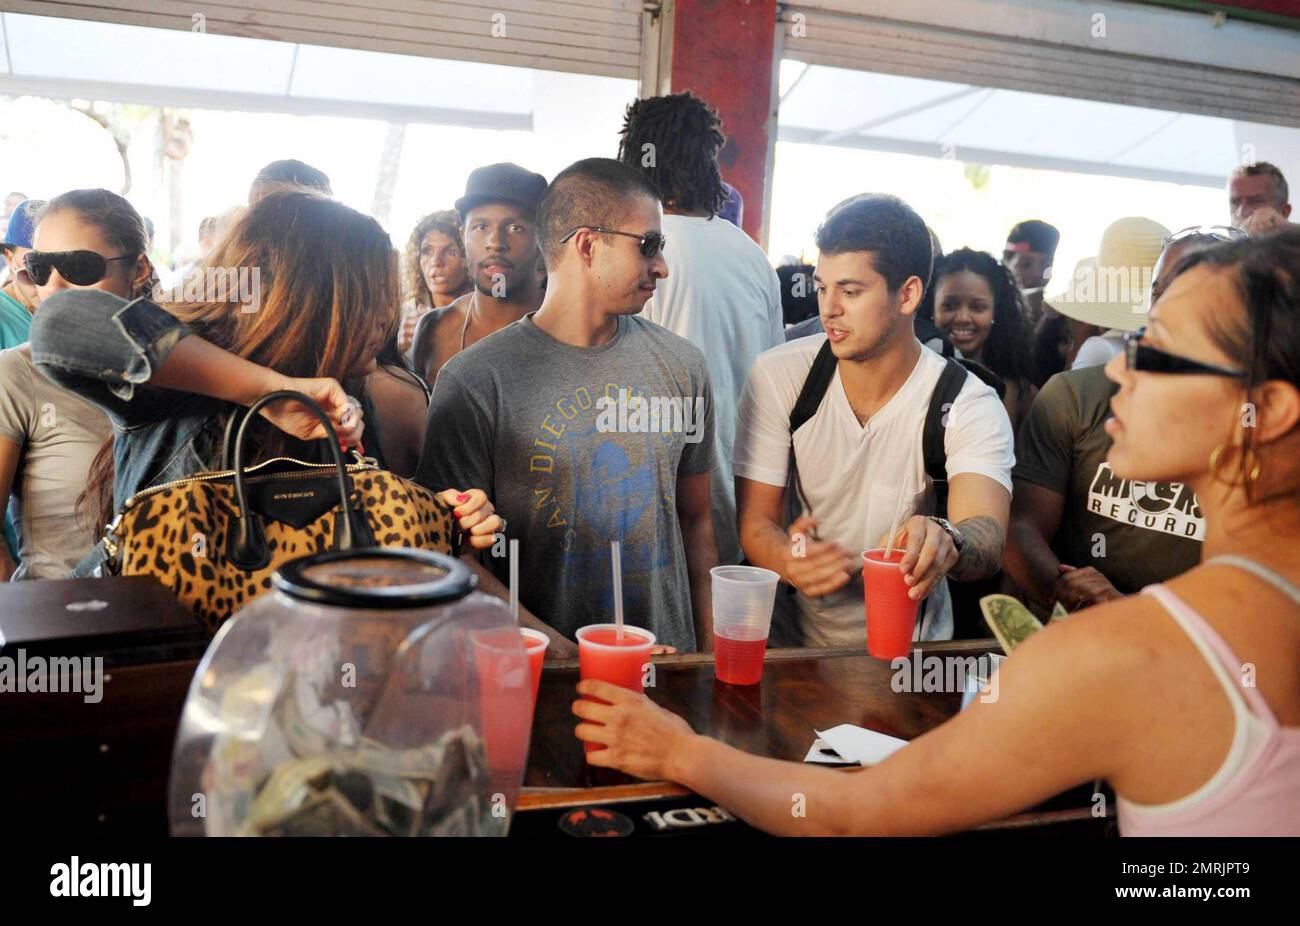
[(247, 546), (228, 438)]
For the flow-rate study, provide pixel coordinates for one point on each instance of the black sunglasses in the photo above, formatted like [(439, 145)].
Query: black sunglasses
[(80, 268), (1146, 359), (652, 243)]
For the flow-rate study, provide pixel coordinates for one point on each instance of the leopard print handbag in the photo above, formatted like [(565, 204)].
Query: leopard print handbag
[(192, 537)]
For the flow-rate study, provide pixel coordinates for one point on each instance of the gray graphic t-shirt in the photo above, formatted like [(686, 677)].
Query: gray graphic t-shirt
[(577, 447)]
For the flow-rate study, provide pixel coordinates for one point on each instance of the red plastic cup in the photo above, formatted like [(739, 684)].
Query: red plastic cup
[(602, 656), (535, 643), (891, 614)]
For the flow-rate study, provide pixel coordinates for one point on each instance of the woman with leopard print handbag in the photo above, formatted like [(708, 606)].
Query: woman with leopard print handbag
[(321, 301)]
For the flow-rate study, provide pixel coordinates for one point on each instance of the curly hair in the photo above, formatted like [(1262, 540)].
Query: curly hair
[(685, 137), (1006, 352), (414, 286)]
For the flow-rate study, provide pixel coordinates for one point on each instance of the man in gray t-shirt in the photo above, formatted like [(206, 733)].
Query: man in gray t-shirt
[(586, 424)]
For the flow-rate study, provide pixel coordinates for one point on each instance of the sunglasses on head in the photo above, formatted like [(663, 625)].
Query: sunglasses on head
[(1146, 359), (80, 268), (1213, 232), (651, 243)]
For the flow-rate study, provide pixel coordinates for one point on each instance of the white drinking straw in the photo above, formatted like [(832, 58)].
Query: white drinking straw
[(514, 581), (894, 522), (616, 550)]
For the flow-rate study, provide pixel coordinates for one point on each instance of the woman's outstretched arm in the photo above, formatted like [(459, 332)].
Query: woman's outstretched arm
[(125, 356), (1052, 723)]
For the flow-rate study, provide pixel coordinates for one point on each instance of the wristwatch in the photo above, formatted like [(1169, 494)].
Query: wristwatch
[(958, 541)]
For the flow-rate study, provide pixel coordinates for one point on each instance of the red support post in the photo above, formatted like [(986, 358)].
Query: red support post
[(722, 52)]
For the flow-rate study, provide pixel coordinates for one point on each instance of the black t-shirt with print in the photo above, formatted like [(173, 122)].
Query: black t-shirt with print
[(1134, 533)]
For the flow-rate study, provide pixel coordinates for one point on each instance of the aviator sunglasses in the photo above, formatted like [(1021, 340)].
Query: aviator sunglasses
[(80, 268), (651, 243)]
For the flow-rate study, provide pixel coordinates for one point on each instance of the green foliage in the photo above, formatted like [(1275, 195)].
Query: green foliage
[(976, 174)]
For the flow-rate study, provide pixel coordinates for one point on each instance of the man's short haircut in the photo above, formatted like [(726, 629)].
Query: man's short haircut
[(887, 227), (1264, 168), (1039, 235), (593, 191), (294, 172)]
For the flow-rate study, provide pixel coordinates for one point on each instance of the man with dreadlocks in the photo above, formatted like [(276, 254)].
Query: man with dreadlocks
[(721, 293)]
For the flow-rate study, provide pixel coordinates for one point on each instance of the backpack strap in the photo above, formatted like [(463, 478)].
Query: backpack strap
[(930, 336), (935, 455), (814, 388), (810, 398)]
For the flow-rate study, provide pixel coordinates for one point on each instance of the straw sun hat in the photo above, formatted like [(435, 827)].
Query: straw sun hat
[(1111, 289)]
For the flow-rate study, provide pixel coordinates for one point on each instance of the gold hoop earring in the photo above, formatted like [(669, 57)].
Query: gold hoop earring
[(1251, 476), (1214, 461)]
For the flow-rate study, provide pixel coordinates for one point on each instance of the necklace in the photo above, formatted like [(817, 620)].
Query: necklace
[(473, 304)]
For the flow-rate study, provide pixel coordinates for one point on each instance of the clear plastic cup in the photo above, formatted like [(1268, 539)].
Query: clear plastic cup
[(602, 656), (891, 614), (743, 598)]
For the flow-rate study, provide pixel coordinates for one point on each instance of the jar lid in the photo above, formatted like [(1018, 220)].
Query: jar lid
[(381, 578)]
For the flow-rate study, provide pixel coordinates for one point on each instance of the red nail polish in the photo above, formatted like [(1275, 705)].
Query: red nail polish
[(462, 497)]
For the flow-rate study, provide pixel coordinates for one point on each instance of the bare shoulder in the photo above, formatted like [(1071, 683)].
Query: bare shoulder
[(435, 336), (1259, 623), (390, 387), (1101, 651)]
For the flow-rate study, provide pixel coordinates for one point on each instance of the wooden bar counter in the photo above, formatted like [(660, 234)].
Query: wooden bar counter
[(803, 690), (81, 766)]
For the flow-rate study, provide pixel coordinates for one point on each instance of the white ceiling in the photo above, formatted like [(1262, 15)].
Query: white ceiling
[(851, 108), (65, 57)]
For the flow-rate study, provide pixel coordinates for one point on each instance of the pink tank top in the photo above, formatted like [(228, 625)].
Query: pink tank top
[(1255, 794)]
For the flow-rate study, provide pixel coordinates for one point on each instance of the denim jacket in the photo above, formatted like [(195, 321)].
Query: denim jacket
[(106, 349)]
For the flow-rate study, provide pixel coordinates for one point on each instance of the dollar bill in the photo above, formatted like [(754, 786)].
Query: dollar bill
[(1011, 622), (436, 789), (329, 813)]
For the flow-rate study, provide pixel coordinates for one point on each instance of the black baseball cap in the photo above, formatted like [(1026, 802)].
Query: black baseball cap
[(502, 183)]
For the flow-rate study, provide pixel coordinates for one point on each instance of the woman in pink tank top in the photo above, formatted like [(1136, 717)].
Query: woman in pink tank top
[(1186, 698)]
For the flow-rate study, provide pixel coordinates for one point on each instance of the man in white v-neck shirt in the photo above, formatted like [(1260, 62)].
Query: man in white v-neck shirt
[(860, 452)]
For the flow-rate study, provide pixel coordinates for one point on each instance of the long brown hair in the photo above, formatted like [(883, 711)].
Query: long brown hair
[(324, 272), (323, 276)]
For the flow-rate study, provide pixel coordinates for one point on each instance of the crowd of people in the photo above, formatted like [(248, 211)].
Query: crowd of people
[(608, 356)]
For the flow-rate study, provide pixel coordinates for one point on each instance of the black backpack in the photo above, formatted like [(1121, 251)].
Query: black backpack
[(932, 447)]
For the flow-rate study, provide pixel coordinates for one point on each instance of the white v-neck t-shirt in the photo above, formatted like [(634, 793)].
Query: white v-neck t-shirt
[(853, 474)]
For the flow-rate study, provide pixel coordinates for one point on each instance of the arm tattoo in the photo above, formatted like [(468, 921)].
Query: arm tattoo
[(981, 557)]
